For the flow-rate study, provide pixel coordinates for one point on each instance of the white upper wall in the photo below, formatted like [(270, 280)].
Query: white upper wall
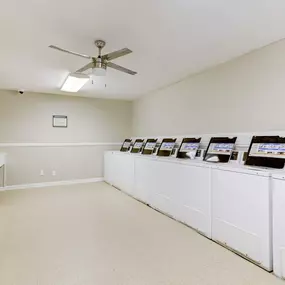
[(244, 95), (28, 118)]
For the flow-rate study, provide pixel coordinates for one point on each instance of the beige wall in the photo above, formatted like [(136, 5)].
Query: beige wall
[(28, 118), (244, 95), (27, 121)]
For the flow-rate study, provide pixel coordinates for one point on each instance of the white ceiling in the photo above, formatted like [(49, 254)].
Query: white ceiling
[(170, 39)]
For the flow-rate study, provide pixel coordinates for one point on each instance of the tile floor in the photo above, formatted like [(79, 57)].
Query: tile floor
[(92, 234)]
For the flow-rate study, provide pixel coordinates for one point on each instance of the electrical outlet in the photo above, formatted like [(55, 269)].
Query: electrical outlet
[(42, 172), (53, 173)]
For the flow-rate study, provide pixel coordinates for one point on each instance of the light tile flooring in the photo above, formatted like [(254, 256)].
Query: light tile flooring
[(92, 234)]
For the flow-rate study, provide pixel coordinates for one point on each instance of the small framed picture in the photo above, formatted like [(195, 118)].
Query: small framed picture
[(59, 121)]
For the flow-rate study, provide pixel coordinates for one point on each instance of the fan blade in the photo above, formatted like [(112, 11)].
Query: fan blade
[(116, 54), (71, 52), (87, 66), (120, 68)]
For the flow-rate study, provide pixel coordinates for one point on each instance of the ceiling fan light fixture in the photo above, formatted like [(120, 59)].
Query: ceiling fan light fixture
[(100, 67), (99, 71), (74, 82)]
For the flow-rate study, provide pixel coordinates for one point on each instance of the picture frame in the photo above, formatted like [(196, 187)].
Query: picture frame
[(59, 121)]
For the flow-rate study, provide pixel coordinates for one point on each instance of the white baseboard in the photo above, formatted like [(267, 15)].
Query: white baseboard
[(54, 183)]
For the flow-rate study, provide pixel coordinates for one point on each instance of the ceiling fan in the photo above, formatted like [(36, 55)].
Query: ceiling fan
[(100, 63)]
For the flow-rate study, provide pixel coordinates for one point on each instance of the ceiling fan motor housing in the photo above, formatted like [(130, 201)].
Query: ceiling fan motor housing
[(99, 63)]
